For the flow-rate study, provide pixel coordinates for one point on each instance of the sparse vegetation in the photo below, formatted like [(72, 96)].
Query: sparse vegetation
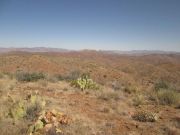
[(116, 85), (1, 75), (34, 107), (43, 83), (18, 110), (73, 75), (161, 85), (28, 109), (109, 95), (130, 89), (52, 78), (29, 77), (138, 100), (144, 116), (168, 97), (108, 110)]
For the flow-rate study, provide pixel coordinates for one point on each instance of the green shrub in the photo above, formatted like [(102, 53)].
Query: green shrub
[(160, 85), (29, 77), (37, 125), (168, 97), (84, 82), (144, 116)]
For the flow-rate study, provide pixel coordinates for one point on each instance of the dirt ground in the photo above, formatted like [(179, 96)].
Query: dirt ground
[(92, 115)]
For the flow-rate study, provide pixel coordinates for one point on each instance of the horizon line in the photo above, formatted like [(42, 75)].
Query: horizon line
[(87, 49)]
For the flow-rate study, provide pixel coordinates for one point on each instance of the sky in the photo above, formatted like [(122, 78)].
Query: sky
[(91, 24)]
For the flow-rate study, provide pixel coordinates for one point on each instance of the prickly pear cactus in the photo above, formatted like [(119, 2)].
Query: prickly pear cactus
[(84, 82), (36, 99), (18, 110), (38, 125)]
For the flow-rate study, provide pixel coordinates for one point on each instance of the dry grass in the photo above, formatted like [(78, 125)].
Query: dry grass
[(168, 97), (43, 83), (138, 100), (109, 95)]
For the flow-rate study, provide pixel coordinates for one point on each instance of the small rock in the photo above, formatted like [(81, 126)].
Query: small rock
[(48, 127)]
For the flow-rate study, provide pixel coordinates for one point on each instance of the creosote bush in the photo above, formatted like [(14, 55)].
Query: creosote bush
[(29, 77), (160, 85)]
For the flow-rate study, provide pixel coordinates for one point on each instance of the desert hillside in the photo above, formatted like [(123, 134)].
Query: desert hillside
[(89, 93), (105, 68)]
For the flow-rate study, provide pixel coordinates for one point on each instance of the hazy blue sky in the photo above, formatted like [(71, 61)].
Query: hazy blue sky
[(91, 24)]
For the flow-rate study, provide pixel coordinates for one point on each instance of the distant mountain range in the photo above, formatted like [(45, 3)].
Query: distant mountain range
[(34, 49), (45, 49), (141, 52)]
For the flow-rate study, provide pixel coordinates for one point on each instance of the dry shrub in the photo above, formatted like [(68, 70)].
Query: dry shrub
[(116, 85), (33, 110), (130, 89), (34, 107), (109, 95), (43, 83), (138, 100), (52, 78), (152, 96), (73, 75), (1, 76), (144, 116)]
